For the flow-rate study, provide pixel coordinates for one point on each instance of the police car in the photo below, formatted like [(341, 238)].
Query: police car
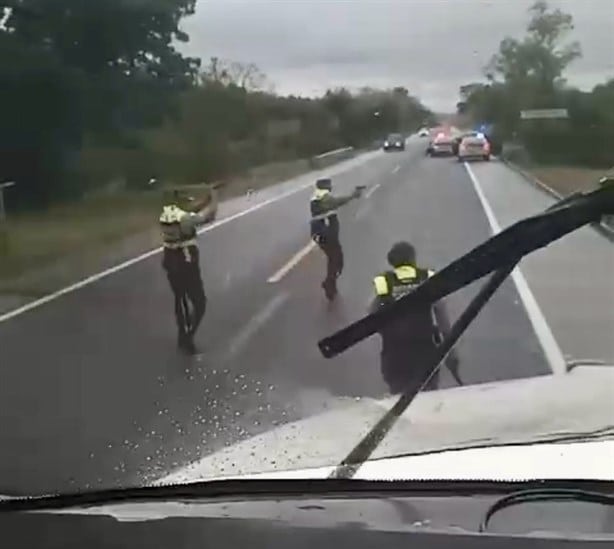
[(473, 146), (442, 145)]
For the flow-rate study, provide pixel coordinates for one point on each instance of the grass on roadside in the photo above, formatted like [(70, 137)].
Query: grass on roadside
[(568, 179), (37, 239), (96, 225)]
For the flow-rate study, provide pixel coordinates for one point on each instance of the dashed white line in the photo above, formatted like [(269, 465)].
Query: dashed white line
[(544, 334), (370, 192), (243, 337), (103, 274), (293, 262)]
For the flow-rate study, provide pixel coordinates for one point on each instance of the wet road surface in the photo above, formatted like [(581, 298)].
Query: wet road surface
[(95, 395)]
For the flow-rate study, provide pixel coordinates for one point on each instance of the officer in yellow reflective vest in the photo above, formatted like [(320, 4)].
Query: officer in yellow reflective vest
[(408, 345), (178, 224), (325, 230)]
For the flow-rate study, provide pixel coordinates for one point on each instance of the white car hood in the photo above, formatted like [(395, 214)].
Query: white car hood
[(494, 422)]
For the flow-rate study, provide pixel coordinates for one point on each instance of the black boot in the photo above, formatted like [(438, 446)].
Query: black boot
[(185, 343), (330, 289)]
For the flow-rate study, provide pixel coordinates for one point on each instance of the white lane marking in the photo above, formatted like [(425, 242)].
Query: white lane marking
[(293, 262), (396, 170), (370, 192), (352, 164), (90, 279), (243, 337), (544, 334)]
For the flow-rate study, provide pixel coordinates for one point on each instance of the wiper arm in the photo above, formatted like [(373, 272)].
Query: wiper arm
[(505, 248), (500, 253)]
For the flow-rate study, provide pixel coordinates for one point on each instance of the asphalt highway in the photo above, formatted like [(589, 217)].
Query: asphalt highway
[(95, 395)]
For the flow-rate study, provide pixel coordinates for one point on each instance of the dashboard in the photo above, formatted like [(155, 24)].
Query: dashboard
[(378, 517)]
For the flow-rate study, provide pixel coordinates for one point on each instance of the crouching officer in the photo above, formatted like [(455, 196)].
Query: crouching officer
[(179, 221), (409, 344), (325, 230)]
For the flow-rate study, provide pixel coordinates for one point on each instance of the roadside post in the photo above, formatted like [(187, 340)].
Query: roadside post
[(4, 234)]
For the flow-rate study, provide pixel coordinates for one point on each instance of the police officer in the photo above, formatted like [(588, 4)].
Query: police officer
[(409, 344), (325, 230), (178, 222)]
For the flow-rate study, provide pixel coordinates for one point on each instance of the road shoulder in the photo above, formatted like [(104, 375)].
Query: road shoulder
[(571, 279)]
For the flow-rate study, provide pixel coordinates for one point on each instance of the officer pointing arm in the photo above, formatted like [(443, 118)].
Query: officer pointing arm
[(181, 215), (331, 202), (325, 230)]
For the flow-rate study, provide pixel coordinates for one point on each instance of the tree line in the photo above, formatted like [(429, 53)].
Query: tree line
[(529, 74), (98, 91)]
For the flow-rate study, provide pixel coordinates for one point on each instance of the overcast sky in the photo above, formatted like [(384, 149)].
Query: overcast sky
[(429, 46)]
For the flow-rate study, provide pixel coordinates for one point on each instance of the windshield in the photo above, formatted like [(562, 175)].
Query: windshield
[(187, 209)]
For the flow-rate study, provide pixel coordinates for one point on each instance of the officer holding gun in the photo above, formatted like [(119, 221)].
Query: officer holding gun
[(325, 230), (181, 216)]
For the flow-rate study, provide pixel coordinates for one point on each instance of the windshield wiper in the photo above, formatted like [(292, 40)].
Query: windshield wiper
[(498, 255)]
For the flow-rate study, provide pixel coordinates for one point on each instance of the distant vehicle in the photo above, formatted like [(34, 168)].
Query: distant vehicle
[(395, 141), (460, 137), (423, 133), (473, 147), (441, 145)]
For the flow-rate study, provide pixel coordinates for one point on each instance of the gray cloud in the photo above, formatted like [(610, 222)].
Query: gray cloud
[(429, 46)]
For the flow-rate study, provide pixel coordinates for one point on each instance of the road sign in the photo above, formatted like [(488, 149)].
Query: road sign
[(534, 114)]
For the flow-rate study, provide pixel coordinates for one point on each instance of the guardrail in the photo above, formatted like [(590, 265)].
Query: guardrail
[(330, 157)]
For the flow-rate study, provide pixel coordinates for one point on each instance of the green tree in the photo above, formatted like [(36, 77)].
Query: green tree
[(116, 68)]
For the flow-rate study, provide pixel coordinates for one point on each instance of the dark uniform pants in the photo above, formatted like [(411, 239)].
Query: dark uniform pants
[(189, 293), (403, 374), (331, 246)]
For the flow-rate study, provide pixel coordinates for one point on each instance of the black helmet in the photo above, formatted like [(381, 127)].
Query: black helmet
[(402, 253), (324, 183)]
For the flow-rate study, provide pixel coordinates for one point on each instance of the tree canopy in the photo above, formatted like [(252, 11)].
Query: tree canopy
[(93, 91), (528, 73)]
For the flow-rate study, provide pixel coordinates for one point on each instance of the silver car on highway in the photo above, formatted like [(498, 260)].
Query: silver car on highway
[(473, 146)]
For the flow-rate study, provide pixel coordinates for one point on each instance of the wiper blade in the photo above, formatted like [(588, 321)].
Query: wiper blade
[(501, 253), (507, 247)]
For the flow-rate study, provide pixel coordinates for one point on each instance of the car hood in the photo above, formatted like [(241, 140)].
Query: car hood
[(565, 419)]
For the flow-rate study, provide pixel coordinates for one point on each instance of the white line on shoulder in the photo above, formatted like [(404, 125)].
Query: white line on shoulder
[(102, 274), (544, 334)]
